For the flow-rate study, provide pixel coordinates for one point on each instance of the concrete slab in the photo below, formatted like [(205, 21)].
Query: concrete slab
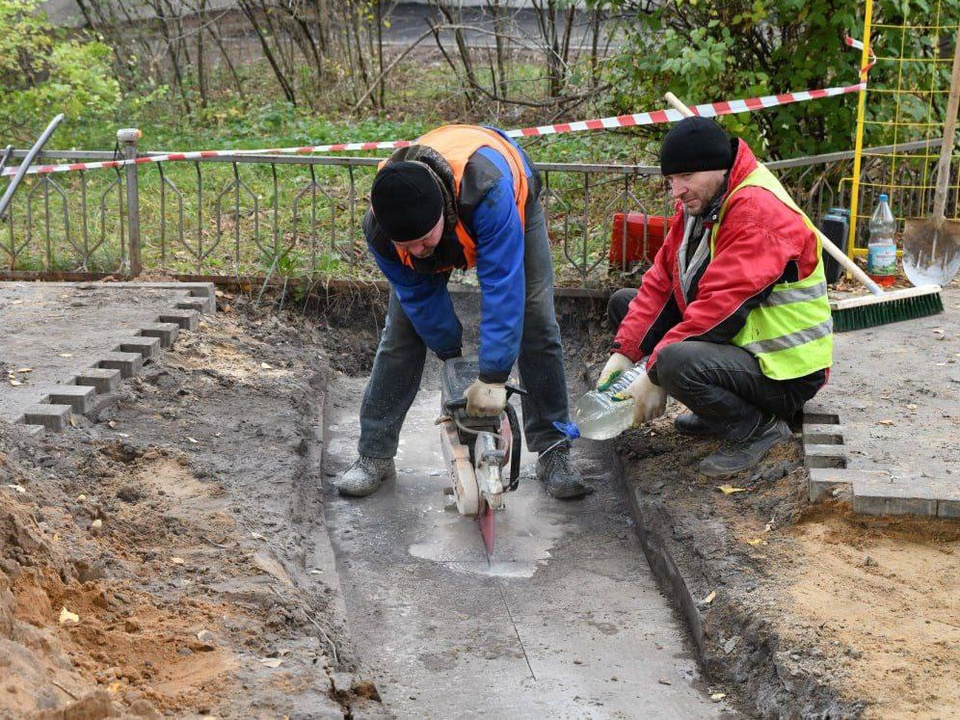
[(893, 405), (147, 347), (164, 331), (185, 319), (64, 336), (51, 417), (79, 397), (104, 380), (128, 363)]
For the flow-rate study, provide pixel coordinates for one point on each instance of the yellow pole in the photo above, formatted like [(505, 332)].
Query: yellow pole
[(861, 110)]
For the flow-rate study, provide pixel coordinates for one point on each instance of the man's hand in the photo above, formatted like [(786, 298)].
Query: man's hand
[(650, 400), (615, 367), (485, 399)]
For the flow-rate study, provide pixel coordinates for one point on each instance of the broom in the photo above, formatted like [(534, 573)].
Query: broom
[(879, 308)]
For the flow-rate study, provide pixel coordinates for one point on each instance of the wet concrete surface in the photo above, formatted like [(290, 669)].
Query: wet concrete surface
[(565, 620)]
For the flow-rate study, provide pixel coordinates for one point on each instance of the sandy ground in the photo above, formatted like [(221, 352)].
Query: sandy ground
[(181, 523), (807, 611)]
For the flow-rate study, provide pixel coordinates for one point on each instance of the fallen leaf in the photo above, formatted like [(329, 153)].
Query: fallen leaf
[(24, 370), (730, 489), (664, 681), (266, 366), (18, 488), (756, 541), (884, 422), (717, 697), (16, 383), (710, 598), (176, 560), (257, 536), (68, 617), (193, 440), (65, 355), (271, 662)]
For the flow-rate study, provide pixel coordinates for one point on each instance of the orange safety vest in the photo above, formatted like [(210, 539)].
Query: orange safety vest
[(456, 144)]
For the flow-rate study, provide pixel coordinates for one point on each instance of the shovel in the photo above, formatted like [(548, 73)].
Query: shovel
[(931, 248)]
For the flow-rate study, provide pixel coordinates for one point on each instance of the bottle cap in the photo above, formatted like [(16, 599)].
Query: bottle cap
[(883, 197)]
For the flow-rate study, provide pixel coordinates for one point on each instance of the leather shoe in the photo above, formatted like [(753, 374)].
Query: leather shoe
[(737, 456), (692, 424)]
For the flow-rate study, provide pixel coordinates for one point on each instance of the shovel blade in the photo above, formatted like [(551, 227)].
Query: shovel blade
[(931, 251)]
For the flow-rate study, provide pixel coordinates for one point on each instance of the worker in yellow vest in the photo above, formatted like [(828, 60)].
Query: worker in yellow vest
[(463, 196), (733, 315)]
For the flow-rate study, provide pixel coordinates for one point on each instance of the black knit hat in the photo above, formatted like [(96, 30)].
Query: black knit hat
[(406, 200), (695, 144)]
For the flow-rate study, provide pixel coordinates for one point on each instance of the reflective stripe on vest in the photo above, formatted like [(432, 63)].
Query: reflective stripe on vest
[(791, 332), (456, 144)]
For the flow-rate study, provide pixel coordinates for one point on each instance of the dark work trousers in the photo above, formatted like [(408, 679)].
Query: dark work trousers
[(722, 384), (398, 365)]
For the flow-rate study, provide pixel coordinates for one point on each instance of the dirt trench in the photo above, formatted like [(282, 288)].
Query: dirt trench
[(160, 558)]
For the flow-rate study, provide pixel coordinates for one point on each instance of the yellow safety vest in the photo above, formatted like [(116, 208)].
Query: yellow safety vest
[(791, 332)]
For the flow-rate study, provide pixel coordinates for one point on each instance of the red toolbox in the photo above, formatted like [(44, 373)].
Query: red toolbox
[(633, 247)]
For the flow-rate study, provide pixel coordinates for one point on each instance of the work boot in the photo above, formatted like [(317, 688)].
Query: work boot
[(692, 424), (556, 471), (365, 476), (736, 456)]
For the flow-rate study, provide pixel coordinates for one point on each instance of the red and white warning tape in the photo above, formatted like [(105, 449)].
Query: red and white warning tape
[(858, 45), (727, 107)]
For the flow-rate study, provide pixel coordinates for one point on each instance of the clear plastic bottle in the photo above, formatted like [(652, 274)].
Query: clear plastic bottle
[(598, 416), (882, 248)]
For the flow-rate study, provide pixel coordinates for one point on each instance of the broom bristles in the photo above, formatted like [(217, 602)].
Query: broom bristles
[(888, 307)]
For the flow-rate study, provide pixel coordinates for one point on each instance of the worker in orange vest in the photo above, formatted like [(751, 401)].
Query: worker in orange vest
[(463, 196)]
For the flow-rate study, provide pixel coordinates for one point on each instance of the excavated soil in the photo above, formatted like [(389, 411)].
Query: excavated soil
[(162, 556)]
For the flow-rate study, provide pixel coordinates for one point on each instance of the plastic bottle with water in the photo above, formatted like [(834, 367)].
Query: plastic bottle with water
[(598, 416), (882, 248)]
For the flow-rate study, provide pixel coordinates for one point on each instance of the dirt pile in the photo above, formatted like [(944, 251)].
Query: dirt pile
[(167, 556), (799, 610)]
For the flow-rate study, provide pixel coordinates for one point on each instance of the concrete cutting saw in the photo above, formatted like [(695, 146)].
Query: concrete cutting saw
[(482, 453)]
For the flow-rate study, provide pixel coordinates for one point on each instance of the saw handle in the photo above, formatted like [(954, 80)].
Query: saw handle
[(515, 448), (461, 403), (836, 253)]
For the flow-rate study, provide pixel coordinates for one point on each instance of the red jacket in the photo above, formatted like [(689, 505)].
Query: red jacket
[(760, 240)]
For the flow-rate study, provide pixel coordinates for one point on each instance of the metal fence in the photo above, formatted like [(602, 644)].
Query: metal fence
[(299, 216)]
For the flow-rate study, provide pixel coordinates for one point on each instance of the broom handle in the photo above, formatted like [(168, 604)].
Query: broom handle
[(839, 255), (949, 137)]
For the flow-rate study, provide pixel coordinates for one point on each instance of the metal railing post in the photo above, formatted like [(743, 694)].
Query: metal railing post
[(127, 137)]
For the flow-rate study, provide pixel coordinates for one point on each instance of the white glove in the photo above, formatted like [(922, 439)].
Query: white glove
[(650, 401), (484, 399), (616, 365)]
